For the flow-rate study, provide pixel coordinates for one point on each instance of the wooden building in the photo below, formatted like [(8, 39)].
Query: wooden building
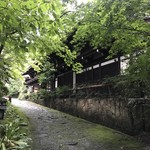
[(31, 80), (96, 67)]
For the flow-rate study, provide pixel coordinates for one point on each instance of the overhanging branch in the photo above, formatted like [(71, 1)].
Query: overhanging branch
[(65, 13)]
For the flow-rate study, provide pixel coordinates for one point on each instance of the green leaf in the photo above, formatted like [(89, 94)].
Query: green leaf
[(3, 146)]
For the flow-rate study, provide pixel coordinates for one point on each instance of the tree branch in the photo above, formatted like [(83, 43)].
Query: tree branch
[(136, 30), (65, 13), (2, 45), (1, 48), (13, 32)]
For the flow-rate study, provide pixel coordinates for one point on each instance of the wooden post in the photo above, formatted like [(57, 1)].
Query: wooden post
[(100, 72), (56, 82), (74, 82), (119, 65)]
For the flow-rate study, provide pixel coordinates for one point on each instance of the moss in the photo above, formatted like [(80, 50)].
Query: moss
[(109, 139), (113, 138)]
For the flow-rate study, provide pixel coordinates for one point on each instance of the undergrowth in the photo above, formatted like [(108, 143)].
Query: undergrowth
[(14, 131)]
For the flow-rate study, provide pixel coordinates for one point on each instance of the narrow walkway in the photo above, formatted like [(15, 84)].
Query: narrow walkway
[(54, 130)]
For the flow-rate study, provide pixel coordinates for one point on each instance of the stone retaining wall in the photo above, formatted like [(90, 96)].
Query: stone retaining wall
[(114, 113), (130, 116)]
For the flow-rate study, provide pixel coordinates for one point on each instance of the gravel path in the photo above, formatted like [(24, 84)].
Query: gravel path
[(54, 130)]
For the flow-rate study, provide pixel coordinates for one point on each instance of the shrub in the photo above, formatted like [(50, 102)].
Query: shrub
[(62, 91), (12, 137), (43, 96)]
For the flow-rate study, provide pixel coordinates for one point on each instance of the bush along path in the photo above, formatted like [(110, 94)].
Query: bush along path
[(54, 130), (14, 131)]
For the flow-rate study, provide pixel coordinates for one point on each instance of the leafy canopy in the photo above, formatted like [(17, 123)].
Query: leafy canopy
[(31, 30), (121, 26), (28, 32)]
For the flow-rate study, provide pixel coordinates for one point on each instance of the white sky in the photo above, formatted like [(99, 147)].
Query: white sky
[(82, 1), (71, 7)]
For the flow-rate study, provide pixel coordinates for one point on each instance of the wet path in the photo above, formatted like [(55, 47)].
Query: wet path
[(54, 130)]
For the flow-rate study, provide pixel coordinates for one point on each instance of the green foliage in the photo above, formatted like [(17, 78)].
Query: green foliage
[(12, 136), (128, 86), (43, 96), (77, 67), (118, 26), (35, 30), (140, 67), (40, 97), (38, 28), (62, 91), (46, 75), (33, 97), (80, 94), (23, 94), (15, 86), (119, 20), (3, 89)]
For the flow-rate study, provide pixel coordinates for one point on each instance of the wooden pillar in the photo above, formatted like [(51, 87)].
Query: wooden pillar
[(56, 82), (119, 65), (74, 82), (100, 72)]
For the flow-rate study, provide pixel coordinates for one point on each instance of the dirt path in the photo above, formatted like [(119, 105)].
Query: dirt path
[(54, 130)]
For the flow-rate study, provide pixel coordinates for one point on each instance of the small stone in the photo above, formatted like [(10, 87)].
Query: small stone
[(72, 143), (63, 122)]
